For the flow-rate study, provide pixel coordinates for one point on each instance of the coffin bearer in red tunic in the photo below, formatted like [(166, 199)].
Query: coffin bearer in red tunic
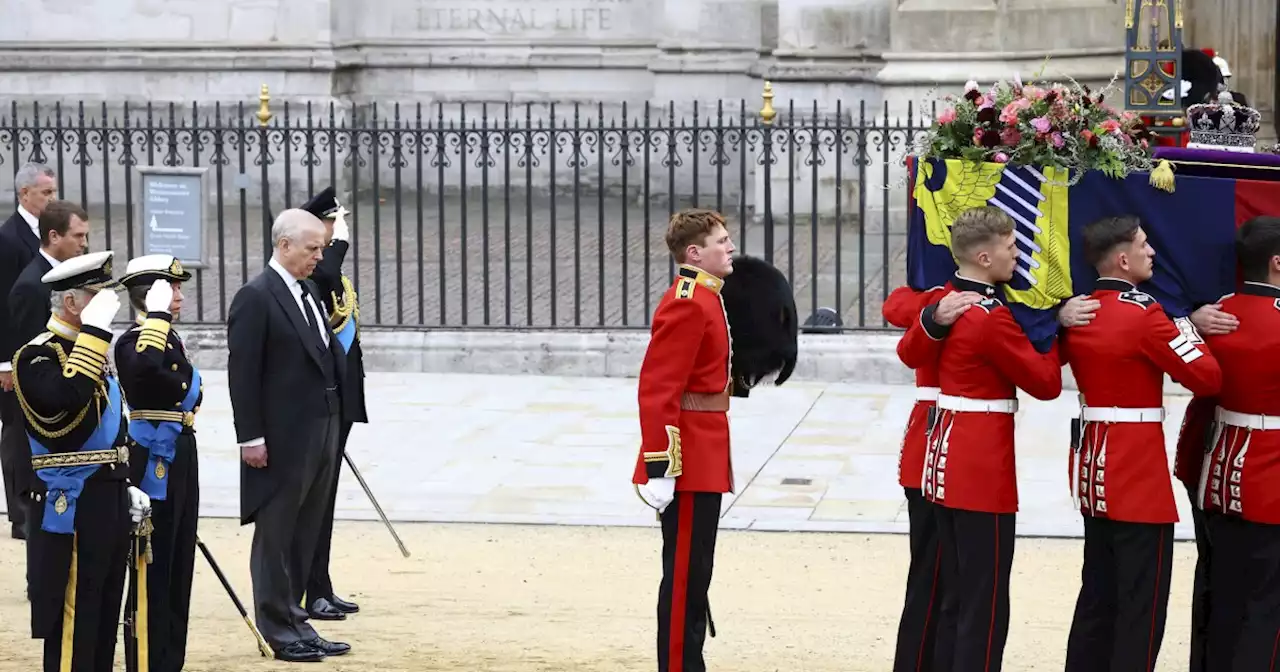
[(921, 617), (1239, 482), (684, 465), (1119, 475), (1209, 320), (969, 469)]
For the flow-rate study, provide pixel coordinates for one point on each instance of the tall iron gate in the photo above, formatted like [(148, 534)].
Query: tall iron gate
[(501, 215)]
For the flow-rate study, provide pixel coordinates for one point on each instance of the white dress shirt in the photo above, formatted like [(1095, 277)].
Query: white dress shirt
[(295, 290), (32, 221)]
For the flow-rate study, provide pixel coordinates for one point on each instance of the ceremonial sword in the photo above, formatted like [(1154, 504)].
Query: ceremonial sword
[(347, 456)]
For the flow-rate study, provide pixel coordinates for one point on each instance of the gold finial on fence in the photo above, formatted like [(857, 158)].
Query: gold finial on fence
[(767, 113), (264, 112)]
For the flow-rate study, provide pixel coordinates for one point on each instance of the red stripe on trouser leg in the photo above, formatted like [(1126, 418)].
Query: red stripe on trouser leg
[(680, 581)]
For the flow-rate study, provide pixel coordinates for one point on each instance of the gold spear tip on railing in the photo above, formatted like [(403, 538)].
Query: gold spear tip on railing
[(264, 111), (767, 113)]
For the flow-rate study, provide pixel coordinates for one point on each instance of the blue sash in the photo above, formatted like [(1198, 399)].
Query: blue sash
[(347, 333), (161, 440), (64, 484)]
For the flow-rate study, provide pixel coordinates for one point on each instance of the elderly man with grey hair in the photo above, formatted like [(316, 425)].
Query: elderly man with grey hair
[(284, 369), (36, 185)]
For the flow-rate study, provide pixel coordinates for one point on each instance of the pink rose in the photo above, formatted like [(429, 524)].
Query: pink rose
[(1000, 157), (948, 115), (1110, 126), (1033, 92), (1041, 124), (1010, 136), (977, 136), (1056, 139)]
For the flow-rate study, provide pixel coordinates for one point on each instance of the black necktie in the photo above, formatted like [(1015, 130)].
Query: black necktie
[(306, 309)]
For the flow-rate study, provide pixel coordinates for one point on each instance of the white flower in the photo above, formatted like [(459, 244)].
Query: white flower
[(970, 85)]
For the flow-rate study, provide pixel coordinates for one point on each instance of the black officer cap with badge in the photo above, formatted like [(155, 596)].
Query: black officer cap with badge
[(324, 205), (763, 325), (90, 272), (145, 270)]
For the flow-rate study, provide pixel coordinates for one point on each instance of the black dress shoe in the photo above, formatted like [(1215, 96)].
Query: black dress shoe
[(300, 652), (17, 531), (327, 647), (343, 605), (322, 610)]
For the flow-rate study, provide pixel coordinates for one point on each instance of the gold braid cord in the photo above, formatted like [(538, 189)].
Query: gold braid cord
[(39, 423), (344, 308)]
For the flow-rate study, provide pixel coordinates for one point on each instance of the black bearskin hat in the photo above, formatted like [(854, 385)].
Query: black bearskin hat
[(761, 309)]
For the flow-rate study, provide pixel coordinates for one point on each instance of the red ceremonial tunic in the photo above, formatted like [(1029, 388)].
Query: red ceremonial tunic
[(1241, 475), (984, 358), (902, 309), (688, 353), (1120, 470)]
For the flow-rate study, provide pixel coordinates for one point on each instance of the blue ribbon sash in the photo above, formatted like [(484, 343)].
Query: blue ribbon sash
[(347, 333), (64, 484), (161, 441)]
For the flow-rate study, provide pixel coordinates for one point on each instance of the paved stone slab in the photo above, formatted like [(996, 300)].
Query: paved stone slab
[(560, 450)]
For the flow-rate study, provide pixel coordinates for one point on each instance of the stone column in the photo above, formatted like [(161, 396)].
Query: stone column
[(708, 50)]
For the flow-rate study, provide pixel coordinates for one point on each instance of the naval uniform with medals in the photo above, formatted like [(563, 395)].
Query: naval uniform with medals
[(163, 392), (72, 411)]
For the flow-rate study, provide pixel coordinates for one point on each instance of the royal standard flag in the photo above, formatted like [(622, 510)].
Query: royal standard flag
[(1191, 229)]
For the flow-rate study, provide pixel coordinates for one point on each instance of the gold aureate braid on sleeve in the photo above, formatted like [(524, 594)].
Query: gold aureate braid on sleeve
[(671, 456), (88, 358), (154, 334)]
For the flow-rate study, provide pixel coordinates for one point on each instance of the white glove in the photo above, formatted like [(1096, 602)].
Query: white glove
[(658, 492), (159, 297), (139, 504), (102, 308), (340, 229)]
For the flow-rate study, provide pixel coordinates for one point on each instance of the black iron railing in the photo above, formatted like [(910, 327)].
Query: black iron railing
[(502, 215)]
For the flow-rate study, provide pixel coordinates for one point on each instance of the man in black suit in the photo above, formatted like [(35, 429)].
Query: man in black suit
[(284, 367), (64, 233), (340, 304), (19, 242)]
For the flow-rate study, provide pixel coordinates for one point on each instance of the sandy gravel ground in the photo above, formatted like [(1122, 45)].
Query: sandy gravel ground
[(573, 599)]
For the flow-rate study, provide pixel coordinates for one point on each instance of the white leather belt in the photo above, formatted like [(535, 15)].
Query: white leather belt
[(1116, 414), (927, 393), (966, 405), (1246, 420)]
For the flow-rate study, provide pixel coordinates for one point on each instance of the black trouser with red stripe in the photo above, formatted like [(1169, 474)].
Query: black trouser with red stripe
[(1244, 623), (1200, 596), (689, 527), (1124, 596), (922, 609), (977, 556)]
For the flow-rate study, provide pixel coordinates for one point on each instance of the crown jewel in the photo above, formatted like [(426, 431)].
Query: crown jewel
[(1223, 124)]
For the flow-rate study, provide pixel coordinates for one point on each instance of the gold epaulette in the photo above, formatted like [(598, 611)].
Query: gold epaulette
[(42, 425), (153, 334)]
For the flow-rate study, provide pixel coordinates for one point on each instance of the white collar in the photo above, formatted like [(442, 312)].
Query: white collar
[(52, 262), (289, 281), (32, 220)]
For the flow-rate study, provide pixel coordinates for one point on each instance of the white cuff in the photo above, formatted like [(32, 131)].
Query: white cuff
[(253, 442), (5, 367)]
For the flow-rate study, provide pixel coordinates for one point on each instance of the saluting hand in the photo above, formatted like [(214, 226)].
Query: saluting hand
[(255, 456), (1211, 320), (159, 297), (953, 305)]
